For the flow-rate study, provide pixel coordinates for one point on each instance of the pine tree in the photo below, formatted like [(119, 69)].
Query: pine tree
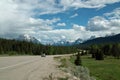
[(78, 61), (93, 50), (99, 55), (106, 49), (115, 51)]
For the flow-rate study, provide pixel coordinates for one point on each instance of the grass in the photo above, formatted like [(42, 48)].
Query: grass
[(107, 69)]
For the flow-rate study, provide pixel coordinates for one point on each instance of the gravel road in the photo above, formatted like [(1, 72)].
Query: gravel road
[(27, 67)]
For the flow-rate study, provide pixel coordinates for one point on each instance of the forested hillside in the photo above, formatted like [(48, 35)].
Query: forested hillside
[(103, 40), (14, 47), (100, 51)]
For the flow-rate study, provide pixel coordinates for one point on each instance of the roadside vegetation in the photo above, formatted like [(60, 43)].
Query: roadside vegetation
[(51, 77), (74, 71), (99, 61)]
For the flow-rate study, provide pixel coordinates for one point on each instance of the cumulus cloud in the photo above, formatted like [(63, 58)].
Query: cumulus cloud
[(19, 17), (87, 3), (98, 24), (59, 34), (67, 34), (16, 18), (61, 24), (52, 7), (74, 15), (41, 24), (108, 22), (115, 23), (78, 27), (115, 14)]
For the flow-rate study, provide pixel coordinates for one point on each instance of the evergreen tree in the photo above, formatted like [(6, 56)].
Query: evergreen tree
[(99, 55), (93, 50), (23, 47), (106, 49), (78, 61), (115, 51)]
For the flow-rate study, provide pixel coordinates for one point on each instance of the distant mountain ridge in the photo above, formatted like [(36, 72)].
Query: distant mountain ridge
[(78, 41), (28, 38), (67, 43), (62, 43), (92, 40), (102, 40)]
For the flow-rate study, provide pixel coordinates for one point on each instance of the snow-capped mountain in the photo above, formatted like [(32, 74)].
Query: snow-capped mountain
[(112, 34), (62, 43), (92, 37), (78, 41), (26, 37), (68, 43)]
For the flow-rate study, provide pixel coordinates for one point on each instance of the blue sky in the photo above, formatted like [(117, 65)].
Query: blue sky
[(54, 20), (83, 15)]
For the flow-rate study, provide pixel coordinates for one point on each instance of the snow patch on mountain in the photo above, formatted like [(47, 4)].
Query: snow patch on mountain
[(27, 37)]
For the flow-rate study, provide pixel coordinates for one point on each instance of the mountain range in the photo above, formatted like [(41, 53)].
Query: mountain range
[(63, 42), (67, 43), (92, 40), (28, 38)]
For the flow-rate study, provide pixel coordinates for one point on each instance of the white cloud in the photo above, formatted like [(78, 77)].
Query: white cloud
[(114, 19), (67, 34), (115, 23), (87, 3), (78, 27), (74, 15), (13, 22), (108, 22), (61, 24), (40, 7), (17, 17), (115, 14), (57, 35), (98, 24), (41, 24)]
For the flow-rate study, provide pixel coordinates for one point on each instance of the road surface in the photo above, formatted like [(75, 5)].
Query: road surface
[(27, 67)]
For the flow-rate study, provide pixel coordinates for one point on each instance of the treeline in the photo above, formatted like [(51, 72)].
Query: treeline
[(14, 47), (100, 51)]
